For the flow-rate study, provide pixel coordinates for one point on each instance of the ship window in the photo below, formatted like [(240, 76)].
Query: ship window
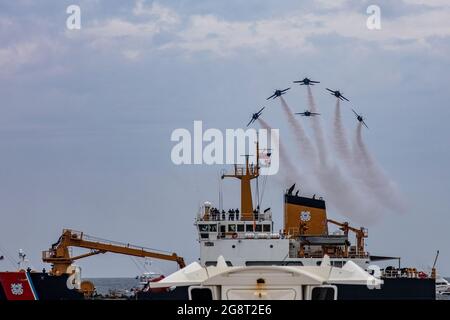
[(204, 235), (322, 293), (203, 227), (249, 228), (231, 228), (240, 228), (201, 294), (213, 228), (266, 227), (292, 263), (214, 263), (258, 228), (273, 263), (338, 263), (222, 229)]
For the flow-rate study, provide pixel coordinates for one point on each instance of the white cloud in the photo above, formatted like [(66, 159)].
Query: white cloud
[(209, 33), (17, 54), (104, 34), (24, 53), (294, 32), (429, 3), (119, 28), (135, 35), (162, 14), (131, 55), (331, 4)]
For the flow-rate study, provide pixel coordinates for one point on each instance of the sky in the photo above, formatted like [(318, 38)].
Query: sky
[(87, 115)]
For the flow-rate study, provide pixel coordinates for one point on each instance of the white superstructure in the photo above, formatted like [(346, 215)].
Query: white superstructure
[(252, 243)]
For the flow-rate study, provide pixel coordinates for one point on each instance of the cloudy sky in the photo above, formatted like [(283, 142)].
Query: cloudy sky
[(86, 115)]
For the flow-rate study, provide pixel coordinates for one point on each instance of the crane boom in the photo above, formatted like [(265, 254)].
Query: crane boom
[(59, 256), (361, 233)]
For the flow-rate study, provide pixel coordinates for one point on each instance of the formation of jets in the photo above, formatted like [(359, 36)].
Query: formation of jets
[(307, 113)]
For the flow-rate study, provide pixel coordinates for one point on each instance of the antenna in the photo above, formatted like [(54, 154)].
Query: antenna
[(435, 259), (257, 192), (222, 172), (22, 259), (258, 202), (433, 270)]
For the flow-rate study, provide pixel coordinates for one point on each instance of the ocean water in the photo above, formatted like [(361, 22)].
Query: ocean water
[(106, 286)]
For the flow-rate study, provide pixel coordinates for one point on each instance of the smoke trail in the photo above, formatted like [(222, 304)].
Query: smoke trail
[(372, 174), (341, 192), (340, 137), (360, 143), (300, 134), (345, 199), (291, 173), (317, 129)]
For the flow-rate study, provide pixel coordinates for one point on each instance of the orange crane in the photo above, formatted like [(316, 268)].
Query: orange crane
[(360, 233), (59, 256)]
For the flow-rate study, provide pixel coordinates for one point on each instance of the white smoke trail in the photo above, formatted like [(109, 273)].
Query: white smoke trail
[(340, 138), (371, 173), (317, 129), (291, 173), (306, 149), (345, 198), (338, 189)]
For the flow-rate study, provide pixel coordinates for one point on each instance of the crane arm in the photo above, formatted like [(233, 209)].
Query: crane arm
[(360, 233), (346, 225), (81, 256), (61, 259), (122, 249)]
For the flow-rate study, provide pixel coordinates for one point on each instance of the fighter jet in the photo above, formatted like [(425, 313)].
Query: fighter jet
[(337, 94), (360, 118), (278, 93), (307, 113), (255, 116), (306, 82)]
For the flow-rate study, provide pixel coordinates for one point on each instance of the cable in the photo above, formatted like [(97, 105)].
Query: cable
[(8, 257), (139, 267), (263, 188)]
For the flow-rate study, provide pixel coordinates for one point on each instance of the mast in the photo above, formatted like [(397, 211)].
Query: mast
[(246, 174)]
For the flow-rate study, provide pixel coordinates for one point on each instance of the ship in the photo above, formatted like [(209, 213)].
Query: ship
[(247, 237), (243, 239)]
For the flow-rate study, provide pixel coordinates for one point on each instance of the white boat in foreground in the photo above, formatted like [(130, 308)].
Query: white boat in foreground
[(222, 282)]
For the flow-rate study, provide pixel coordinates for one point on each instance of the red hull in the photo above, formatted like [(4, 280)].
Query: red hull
[(17, 286)]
